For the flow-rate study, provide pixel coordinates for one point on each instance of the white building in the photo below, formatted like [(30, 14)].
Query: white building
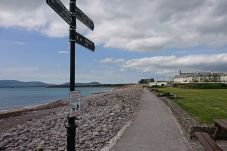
[(200, 77), (158, 83), (183, 78), (223, 77)]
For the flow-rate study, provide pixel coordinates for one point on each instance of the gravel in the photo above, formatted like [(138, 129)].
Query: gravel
[(102, 116)]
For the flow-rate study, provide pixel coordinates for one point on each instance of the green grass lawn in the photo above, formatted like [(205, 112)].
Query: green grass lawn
[(203, 104)]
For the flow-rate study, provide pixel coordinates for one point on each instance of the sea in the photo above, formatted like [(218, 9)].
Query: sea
[(28, 96)]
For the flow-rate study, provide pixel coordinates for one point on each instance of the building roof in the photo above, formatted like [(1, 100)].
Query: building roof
[(185, 75)]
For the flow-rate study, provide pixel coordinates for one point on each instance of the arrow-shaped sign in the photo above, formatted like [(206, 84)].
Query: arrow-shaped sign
[(84, 19), (60, 9), (81, 40)]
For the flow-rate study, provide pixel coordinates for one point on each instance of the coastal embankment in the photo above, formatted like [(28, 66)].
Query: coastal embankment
[(43, 127)]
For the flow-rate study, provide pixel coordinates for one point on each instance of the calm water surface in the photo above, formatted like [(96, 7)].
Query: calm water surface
[(19, 97)]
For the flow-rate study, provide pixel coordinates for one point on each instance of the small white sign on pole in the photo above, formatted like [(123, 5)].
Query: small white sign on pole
[(74, 104)]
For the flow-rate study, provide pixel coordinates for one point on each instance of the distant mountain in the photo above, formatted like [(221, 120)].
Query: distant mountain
[(15, 83), (78, 84), (91, 84)]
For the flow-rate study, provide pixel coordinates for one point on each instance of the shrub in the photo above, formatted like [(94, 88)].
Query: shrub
[(201, 85)]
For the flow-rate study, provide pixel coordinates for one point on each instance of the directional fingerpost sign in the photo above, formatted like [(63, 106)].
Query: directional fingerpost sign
[(70, 17), (84, 19), (60, 9), (81, 40), (84, 42)]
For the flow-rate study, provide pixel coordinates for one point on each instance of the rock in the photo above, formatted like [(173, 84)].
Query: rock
[(111, 114), (6, 136), (52, 147), (40, 146), (61, 148), (30, 145), (100, 121), (95, 133), (22, 148)]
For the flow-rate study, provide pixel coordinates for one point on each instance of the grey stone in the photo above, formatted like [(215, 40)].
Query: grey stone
[(61, 148), (6, 136), (99, 123)]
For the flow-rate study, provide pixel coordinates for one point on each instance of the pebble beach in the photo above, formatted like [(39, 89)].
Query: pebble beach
[(43, 128)]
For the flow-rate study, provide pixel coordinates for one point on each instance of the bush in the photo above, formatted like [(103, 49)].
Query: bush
[(158, 86), (167, 94), (201, 85)]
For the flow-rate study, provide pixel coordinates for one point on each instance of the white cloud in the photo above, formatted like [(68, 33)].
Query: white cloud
[(11, 70), (107, 60), (17, 72), (106, 76), (170, 65), (112, 60), (63, 52), (19, 43), (160, 24), (167, 66), (33, 73), (133, 25)]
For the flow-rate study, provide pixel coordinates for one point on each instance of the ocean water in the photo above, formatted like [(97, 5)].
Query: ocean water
[(21, 97)]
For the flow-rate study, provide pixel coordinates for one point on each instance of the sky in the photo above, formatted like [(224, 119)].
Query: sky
[(134, 40)]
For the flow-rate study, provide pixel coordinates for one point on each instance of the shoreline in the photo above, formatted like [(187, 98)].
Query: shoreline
[(49, 104), (30, 104), (6, 113), (18, 110), (25, 113), (103, 115)]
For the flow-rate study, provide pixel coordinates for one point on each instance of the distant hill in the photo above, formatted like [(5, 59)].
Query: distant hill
[(15, 83), (78, 84), (91, 84)]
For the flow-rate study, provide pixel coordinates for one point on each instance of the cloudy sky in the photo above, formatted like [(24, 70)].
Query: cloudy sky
[(134, 39)]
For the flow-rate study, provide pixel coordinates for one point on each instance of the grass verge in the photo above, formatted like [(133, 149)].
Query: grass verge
[(202, 104)]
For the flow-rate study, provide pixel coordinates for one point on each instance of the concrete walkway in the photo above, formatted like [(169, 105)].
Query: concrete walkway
[(154, 129)]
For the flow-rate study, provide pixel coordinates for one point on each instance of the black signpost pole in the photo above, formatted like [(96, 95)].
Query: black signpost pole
[(70, 17), (71, 129)]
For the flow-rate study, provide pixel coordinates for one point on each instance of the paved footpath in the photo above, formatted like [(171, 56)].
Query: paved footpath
[(154, 129)]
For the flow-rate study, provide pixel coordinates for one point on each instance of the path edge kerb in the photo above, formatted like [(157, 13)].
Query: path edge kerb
[(187, 122)]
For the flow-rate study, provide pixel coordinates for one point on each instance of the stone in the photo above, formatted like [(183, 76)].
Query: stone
[(100, 121), (51, 147), (40, 146), (61, 148)]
